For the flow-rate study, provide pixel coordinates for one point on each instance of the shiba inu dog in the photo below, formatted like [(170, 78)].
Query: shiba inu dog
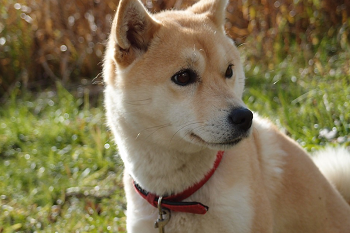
[(196, 159)]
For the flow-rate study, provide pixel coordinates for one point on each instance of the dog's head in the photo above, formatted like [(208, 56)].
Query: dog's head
[(175, 78)]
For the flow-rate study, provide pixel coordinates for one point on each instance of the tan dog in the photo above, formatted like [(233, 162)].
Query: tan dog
[(174, 84)]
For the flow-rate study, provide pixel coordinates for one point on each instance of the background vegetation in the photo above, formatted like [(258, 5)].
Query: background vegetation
[(44, 41), (59, 168)]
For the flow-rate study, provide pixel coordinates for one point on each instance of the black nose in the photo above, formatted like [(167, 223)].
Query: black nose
[(241, 118)]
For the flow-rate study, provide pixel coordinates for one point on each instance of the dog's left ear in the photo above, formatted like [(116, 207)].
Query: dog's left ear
[(215, 10)]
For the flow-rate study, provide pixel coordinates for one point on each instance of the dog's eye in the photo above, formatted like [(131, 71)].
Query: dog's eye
[(229, 71), (184, 77)]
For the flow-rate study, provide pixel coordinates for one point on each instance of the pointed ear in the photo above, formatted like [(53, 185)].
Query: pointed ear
[(132, 29), (215, 9)]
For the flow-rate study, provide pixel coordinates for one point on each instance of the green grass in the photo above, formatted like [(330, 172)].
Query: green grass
[(59, 172), (310, 102), (58, 168)]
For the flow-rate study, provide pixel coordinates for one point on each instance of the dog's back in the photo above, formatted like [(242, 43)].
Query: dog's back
[(334, 163)]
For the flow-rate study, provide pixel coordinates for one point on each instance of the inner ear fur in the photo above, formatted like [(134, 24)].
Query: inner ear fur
[(215, 10), (133, 29)]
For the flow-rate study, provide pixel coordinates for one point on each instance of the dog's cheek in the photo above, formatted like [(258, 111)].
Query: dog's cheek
[(182, 116), (239, 83)]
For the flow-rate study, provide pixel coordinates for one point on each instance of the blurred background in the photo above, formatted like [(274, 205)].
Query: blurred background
[(43, 41), (59, 168)]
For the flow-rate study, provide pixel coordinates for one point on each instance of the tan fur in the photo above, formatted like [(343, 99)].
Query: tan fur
[(168, 135)]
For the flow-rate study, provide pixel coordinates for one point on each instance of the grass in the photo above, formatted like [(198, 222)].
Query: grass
[(59, 171), (311, 106)]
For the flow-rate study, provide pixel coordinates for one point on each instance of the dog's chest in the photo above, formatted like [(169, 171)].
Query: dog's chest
[(229, 212), (209, 223)]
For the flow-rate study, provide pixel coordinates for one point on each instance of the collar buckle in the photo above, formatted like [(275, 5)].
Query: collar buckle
[(164, 216)]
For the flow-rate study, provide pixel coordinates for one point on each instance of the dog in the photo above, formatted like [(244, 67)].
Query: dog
[(196, 158)]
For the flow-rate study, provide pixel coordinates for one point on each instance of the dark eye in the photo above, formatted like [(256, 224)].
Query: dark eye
[(184, 77), (229, 71)]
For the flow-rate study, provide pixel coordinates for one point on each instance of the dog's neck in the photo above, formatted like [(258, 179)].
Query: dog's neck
[(163, 171), (158, 168)]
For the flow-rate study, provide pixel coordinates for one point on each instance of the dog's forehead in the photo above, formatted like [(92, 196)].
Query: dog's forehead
[(194, 39)]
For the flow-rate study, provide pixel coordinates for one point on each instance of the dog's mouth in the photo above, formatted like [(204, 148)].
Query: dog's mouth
[(216, 144)]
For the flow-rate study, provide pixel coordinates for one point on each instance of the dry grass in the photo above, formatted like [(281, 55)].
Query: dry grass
[(47, 40)]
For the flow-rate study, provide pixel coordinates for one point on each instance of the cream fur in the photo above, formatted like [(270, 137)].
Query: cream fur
[(168, 135), (334, 163)]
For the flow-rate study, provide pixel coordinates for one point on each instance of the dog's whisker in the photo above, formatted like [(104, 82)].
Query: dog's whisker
[(183, 127), (153, 127), (160, 127), (196, 128), (242, 44), (96, 81)]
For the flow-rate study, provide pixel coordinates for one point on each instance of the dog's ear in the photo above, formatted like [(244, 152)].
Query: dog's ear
[(215, 10), (132, 30)]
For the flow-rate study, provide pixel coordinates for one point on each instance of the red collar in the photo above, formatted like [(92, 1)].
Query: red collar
[(175, 202)]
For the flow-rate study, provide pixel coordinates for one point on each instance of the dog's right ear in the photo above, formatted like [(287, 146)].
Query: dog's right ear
[(132, 30), (214, 9)]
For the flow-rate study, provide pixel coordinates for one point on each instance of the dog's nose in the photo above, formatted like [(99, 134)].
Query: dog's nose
[(241, 118)]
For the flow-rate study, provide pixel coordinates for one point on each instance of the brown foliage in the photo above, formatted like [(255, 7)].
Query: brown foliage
[(46, 40)]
